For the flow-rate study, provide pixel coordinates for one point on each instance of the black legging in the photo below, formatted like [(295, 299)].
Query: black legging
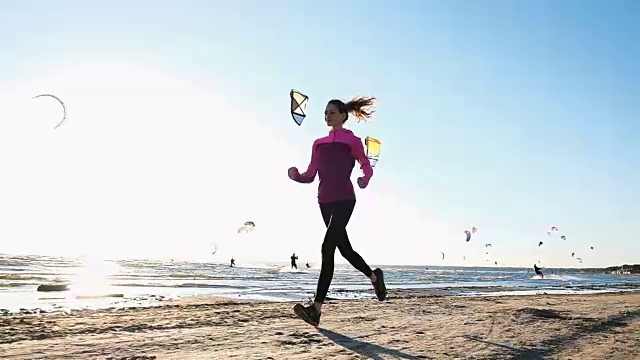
[(336, 216)]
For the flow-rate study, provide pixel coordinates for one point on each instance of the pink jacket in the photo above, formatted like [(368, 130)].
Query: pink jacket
[(333, 159)]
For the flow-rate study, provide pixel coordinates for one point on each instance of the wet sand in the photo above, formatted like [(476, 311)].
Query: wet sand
[(604, 326)]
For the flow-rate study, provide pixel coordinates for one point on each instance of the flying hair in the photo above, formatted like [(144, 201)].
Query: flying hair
[(360, 107)]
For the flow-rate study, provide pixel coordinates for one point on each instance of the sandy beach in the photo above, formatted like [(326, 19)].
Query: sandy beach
[(604, 326)]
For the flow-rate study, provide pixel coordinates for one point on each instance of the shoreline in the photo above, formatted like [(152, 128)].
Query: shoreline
[(585, 326), (66, 302)]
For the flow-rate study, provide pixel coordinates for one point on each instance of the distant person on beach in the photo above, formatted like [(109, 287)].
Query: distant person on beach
[(233, 262), (308, 266), (333, 158), (537, 270), (293, 261)]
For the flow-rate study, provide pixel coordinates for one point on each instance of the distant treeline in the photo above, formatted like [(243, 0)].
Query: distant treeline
[(632, 269), (624, 269)]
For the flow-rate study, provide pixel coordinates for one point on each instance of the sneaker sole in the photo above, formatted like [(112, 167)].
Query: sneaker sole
[(299, 310), (384, 287)]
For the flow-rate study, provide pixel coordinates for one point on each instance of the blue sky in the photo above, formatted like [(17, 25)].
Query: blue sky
[(507, 116)]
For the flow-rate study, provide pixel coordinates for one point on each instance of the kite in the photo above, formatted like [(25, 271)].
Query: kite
[(487, 245), (573, 254), (554, 228), (563, 237), (442, 255), (540, 243), (215, 249), (468, 235), (246, 227), (373, 149), (64, 108), (298, 106), (474, 230)]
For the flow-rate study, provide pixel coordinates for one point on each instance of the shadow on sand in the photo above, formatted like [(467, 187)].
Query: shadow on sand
[(520, 353), (364, 348), (581, 327)]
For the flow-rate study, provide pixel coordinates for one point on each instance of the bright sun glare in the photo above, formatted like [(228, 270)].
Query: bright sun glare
[(150, 166)]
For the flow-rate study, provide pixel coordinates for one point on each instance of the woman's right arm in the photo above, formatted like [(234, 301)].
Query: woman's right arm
[(310, 175)]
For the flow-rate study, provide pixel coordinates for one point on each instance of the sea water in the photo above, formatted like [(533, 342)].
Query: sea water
[(109, 283)]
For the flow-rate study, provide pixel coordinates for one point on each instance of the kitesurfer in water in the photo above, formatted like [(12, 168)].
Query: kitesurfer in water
[(293, 261), (308, 266), (333, 158), (233, 262), (537, 270)]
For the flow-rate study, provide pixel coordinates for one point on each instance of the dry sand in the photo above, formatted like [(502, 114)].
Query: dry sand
[(524, 327)]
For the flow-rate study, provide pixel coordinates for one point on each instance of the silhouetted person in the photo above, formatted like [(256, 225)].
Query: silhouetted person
[(293, 261), (233, 262), (537, 270), (308, 266)]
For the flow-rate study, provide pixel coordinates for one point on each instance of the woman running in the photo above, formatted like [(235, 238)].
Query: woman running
[(333, 158)]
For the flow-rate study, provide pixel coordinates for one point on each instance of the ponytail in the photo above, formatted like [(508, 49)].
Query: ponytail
[(360, 107)]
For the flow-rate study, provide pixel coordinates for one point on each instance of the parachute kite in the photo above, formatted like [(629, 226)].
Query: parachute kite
[(215, 249), (573, 254), (468, 235), (298, 106), (579, 259), (442, 255), (64, 108), (487, 245), (247, 227), (540, 243), (373, 149), (563, 237), (473, 230), (554, 228)]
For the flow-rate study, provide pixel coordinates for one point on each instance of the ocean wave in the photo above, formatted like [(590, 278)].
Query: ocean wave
[(183, 285), (21, 277), (16, 284)]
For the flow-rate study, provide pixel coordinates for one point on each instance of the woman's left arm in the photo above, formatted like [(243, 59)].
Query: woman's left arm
[(357, 150)]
